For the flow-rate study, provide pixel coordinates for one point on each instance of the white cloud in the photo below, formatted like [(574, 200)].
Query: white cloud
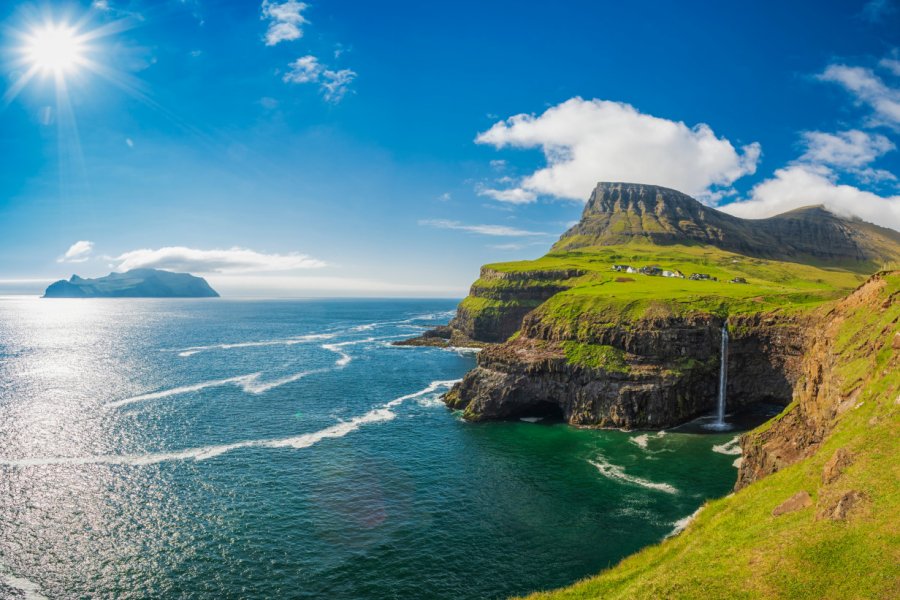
[(515, 246), (303, 70), (129, 142), (586, 141), (511, 195), (285, 19), (232, 260), (805, 185), (845, 149), (868, 89), (100, 4), (891, 64), (333, 84), (78, 252), (495, 230), (445, 197)]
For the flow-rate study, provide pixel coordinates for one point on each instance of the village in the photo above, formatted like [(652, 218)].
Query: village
[(655, 271)]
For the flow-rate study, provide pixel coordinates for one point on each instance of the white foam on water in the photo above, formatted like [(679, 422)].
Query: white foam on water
[(338, 430), (463, 350), (253, 386), (344, 358), (731, 447), (618, 473), (30, 590), (531, 419), (681, 524), (738, 462), (640, 440), (431, 388), (301, 339), (249, 383), (185, 389)]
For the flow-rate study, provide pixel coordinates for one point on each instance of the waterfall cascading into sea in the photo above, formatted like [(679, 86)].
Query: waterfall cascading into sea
[(723, 378)]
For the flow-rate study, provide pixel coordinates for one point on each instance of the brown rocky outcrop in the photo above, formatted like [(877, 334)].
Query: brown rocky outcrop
[(671, 375), (798, 501), (819, 396)]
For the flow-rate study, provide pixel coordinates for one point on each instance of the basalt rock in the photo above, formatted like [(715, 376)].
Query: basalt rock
[(670, 375)]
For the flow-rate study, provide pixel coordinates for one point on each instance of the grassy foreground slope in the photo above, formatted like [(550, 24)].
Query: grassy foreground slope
[(841, 542)]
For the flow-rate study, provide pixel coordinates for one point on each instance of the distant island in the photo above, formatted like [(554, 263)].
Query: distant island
[(136, 283)]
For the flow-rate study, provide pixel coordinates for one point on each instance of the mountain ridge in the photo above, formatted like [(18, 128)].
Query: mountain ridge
[(619, 213)]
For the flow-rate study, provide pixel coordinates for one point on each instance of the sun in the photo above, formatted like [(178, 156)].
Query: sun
[(56, 49)]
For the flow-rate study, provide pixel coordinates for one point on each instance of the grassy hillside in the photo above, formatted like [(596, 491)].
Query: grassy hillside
[(846, 542), (613, 297)]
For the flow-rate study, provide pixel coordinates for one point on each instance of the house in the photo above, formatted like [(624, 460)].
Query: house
[(631, 270), (738, 280), (653, 271), (622, 268), (673, 273), (700, 277)]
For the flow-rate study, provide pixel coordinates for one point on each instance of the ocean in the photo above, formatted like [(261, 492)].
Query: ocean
[(285, 449)]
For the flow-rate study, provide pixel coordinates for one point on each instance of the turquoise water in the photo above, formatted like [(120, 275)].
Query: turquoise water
[(243, 449)]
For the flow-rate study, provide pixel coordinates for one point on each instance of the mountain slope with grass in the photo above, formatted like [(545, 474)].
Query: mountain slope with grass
[(816, 513), (620, 323)]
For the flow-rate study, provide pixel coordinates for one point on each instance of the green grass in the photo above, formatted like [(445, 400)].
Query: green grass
[(735, 548), (595, 356), (602, 297)]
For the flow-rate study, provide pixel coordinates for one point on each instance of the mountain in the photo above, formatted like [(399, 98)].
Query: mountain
[(619, 213), (593, 334), (136, 283)]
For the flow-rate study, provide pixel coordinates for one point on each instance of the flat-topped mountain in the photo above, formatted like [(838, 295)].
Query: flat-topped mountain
[(136, 283), (619, 213)]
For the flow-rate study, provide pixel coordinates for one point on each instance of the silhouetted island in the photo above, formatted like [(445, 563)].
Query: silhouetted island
[(136, 283)]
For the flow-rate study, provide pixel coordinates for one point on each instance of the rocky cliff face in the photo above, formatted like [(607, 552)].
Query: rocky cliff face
[(842, 357), (499, 300), (667, 372), (598, 347)]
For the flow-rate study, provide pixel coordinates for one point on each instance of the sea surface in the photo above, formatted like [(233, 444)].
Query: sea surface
[(284, 449)]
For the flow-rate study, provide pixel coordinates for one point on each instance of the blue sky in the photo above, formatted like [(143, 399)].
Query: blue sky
[(282, 148)]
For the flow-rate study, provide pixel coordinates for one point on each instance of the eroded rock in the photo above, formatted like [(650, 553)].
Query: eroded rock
[(798, 501)]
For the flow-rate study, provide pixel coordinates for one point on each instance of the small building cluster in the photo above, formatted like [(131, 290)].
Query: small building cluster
[(702, 277), (655, 271), (652, 270)]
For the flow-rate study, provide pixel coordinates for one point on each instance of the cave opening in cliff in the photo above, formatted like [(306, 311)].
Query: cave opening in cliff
[(547, 411)]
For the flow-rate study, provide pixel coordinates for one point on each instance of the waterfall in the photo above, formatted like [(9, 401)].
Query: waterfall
[(723, 378)]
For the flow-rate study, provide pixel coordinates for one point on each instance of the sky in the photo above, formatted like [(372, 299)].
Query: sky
[(335, 148)]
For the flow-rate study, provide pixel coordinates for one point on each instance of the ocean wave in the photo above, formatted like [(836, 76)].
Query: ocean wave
[(249, 383), (643, 440), (30, 590), (681, 524), (640, 440), (185, 389), (618, 473), (531, 419), (302, 339), (344, 358), (376, 415), (731, 447)]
